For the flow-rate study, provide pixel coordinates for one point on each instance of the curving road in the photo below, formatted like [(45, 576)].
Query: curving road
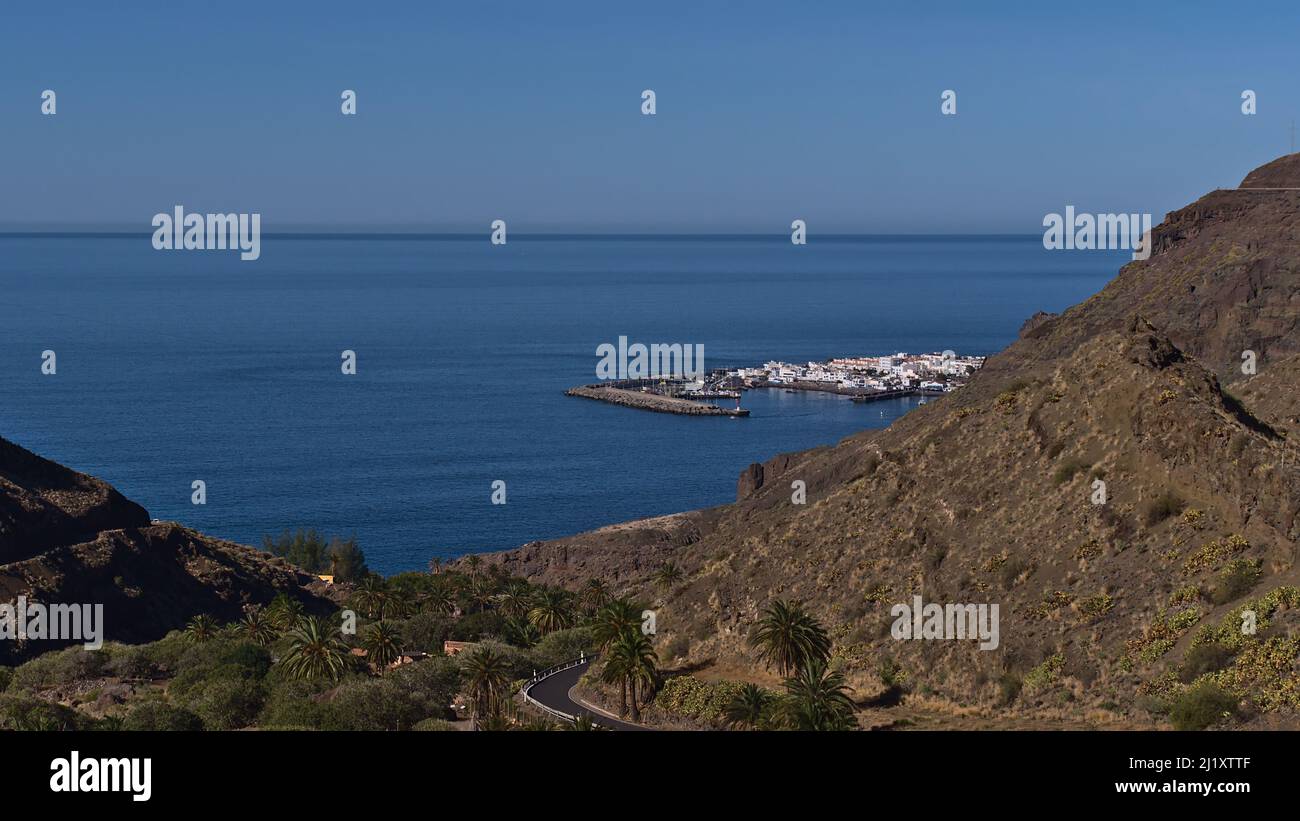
[(554, 692)]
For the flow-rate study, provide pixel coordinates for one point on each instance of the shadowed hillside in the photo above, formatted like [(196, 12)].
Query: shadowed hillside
[(68, 538)]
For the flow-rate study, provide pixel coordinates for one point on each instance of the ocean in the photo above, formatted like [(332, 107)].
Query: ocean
[(174, 366)]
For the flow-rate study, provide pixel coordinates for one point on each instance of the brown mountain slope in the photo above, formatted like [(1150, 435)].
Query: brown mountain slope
[(1224, 278), (987, 496), (44, 504), (67, 538)]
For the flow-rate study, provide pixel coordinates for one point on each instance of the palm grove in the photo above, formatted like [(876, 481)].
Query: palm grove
[(282, 667)]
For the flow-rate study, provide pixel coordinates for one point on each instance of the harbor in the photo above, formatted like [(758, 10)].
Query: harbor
[(860, 379)]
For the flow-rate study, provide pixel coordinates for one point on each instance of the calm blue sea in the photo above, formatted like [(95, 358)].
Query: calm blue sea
[(176, 366)]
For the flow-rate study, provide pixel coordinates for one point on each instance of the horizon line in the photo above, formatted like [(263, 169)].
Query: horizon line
[(535, 235)]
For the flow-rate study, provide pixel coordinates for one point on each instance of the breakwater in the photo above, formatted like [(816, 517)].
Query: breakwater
[(651, 401)]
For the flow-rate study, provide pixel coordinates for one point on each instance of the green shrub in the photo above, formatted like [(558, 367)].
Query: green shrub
[(698, 700), (128, 661), (1212, 553), (157, 715), (425, 632), (6, 676), (218, 660), (434, 725), (226, 703), (60, 667), (1009, 686), (1094, 607), (1201, 706), (312, 552), (401, 698), (292, 704), (434, 682), (165, 654), (377, 704), (1045, 674), (562, 645), (1237, 579), (1205, 658), (478, 626), (25, 712)]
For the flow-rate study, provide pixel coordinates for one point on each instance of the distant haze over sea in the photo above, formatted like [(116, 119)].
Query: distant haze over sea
[(176, 366)]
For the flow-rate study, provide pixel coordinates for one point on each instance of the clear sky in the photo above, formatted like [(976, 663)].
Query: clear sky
[(530, 112)]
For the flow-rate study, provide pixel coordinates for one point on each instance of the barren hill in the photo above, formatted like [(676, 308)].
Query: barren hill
[(68, 538), (990, 495)]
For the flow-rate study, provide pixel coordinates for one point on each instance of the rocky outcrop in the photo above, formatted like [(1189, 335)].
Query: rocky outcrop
[(619, 554), (67, 538), (1035, 322), (44, 505)]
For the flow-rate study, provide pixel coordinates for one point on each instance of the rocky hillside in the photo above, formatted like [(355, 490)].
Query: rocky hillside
[(991, 495), (44, 505), (69, 538)]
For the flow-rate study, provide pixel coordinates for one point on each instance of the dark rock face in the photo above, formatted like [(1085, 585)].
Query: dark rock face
[(1035, 322), (1223, 278), (68, 538), (44, 505), (751, 479)]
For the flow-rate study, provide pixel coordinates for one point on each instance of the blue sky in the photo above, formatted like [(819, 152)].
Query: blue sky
[(530, 112)]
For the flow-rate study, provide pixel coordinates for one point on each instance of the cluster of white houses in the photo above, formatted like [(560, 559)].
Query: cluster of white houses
[(930, 371)]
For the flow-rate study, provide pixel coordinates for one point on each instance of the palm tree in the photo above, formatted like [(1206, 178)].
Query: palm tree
[(615, 671), (631, 661), (397, 603), (551, 612), (616, 618), (201, 628), (284, 612), (315, 651), (522, 632), (515, 601), (817, 699), (594, 595), (487, 679), (749, 707), (435, 565), (790, 638), (440, 600), (537, 724), (383, 645), (371, 597), (583, 724), (474, 562), (257, 627), (668, 575), (495, 723)]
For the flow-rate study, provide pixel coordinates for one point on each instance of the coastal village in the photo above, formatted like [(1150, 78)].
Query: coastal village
[(862, 378), (930, 372)]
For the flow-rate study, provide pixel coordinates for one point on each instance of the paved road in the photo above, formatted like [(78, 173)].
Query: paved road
[(554, 693)]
